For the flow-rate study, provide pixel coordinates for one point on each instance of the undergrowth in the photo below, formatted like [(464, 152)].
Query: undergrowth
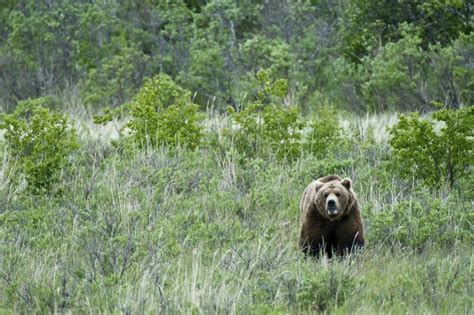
[(176, 230)]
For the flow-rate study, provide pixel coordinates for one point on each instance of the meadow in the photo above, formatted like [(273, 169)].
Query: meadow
[(174, 230)]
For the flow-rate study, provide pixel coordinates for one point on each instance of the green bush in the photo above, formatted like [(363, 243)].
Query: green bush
[(325, 289), (416, 224), (162, 113), (394, 77), (264, 127), (451, 78), (432, 157), (404, 74), (39, 140), (274, 55), (322, 133), (116, 79)]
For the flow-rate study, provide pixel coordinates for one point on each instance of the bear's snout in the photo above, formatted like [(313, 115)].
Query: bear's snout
[(332, 206)]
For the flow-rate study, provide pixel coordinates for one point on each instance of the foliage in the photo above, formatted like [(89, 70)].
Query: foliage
[(403, 76), (394, 78), (274, 55), (450, 77), (35, 50), (214, 68), (264, 127), (214, 48), (322, 134), (325, 289), (259, 127), (431, 157), (418, 224), (116, 79), (197, 231), (368, 25), (162, 113), (40, 141)]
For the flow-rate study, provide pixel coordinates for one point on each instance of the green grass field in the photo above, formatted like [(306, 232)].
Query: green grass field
[(175, 231)]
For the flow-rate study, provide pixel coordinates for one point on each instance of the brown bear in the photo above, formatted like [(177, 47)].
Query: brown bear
[(330, 218)]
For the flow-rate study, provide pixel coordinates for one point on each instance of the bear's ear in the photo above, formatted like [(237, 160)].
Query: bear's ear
[(318, 185), (346, 182)]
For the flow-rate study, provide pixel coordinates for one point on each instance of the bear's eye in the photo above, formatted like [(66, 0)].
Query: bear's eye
[(326, 195), (338, 195)]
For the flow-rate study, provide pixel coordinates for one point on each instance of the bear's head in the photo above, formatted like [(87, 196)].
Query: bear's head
[(334, 198)]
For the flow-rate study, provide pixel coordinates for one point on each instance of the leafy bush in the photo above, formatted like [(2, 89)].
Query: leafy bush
[(322, 133), (271, 54), (161, 113), (365, 25), (434, 157), (404, 74), (451, 78), (325, 289), (261, 129), (394, 77), (416, 224), (117, 78), (264, 127), (40, 141)]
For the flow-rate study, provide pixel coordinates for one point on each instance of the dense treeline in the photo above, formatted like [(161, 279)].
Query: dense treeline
[(362, 55)]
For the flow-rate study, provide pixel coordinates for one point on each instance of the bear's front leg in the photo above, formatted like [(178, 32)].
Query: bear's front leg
[(350, 246), (316, 248), (350, 237)]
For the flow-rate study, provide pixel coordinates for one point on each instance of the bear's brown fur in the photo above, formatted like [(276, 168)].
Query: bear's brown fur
[(330, 217)]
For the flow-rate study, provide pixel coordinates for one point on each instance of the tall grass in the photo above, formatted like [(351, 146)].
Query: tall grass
[(175, 231)]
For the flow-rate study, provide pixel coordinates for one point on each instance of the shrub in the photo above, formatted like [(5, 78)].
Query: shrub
[(325, 289), (451, 76), (394, 77), (435, 158), (161, 114), (264, 127), (322, 133), (40, 141), (273, 54), (416, 224), (116, 79)]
